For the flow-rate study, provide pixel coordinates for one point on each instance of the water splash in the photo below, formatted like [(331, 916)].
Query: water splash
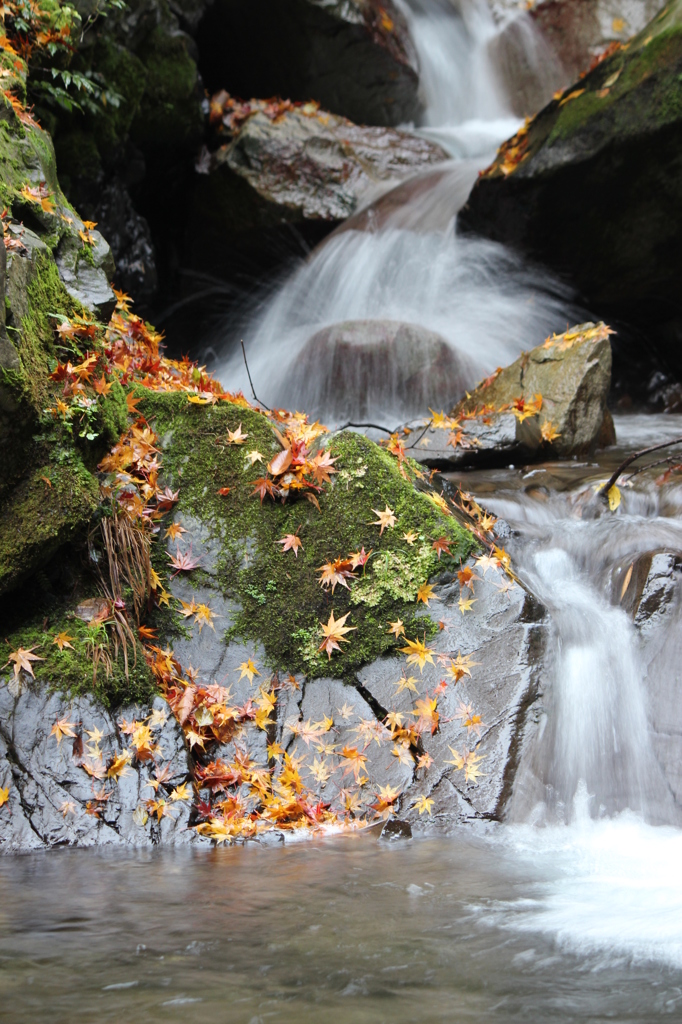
[(401, 260)]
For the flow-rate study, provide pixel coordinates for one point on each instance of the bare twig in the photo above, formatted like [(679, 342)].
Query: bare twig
[(253, 390), (374, 426), (602, 493)]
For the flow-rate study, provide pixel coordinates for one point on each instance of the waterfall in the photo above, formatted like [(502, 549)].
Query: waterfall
[(402, 261), (590, 752)]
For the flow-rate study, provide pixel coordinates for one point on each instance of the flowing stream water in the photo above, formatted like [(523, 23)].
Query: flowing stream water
[(572, 909), (402, 259)]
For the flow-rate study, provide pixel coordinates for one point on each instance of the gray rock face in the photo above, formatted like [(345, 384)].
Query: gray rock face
[(551, 400), (87, 278), (59, 792), (653, 598), (501, 636), (352, 368), (355, 57)]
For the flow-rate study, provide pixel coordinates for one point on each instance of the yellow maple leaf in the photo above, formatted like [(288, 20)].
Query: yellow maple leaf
[(410, 537), (63, 640), (425, 593), (4, 795), (418, 653), (549, 432), (334, 631), (386, 519), (423, 804), (396, 628), (62, 728), (247, 668), (236, 436), (182, 792), (464, 604), (614, 496)]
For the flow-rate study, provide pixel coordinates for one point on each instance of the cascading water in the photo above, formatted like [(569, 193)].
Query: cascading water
[(401, 260)]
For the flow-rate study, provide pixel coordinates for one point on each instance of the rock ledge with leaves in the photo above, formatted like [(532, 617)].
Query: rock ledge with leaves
[(549, 403)]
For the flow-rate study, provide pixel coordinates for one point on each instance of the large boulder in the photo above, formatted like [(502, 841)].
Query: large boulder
[(592, 186), (350, 369), (578, 31), (291, 165), (550, 402), (354, 57)]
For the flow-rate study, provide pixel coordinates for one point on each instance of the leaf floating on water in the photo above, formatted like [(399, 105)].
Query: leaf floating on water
[(613, 495)]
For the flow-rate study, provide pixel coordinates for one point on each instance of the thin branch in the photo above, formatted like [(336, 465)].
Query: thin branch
[(374, 426), (253, 390), (602, 493)]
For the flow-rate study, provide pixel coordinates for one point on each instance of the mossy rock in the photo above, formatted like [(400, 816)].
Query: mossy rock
[(280, 600), (597, 193)]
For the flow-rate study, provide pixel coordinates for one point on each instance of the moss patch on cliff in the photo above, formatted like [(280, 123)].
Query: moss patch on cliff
[(46, 295), (42, 513), (282, 602), (71, 670)]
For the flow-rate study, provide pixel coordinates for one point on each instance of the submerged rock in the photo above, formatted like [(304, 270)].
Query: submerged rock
[(353, 56), (352, 368), (300, 167), (591, 186), (551, 401)]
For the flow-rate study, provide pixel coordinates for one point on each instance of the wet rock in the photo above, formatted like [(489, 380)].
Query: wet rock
[(302, 168), (351, 368), (86, 277), (592, 187), (651, 594), (54, 801), (395, 829), (354, 57), (503, 634), (580, 30), (551, 401)]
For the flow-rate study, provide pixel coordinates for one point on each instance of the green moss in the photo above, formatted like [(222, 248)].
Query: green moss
[(71, 669), (113, 414), (282, 603), (35, 343), (40, 514)]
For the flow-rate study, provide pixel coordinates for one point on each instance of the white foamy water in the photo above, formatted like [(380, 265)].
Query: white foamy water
[(405, 262), (611, 888)]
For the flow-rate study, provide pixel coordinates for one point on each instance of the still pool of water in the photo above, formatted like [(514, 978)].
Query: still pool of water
[(562, 924)]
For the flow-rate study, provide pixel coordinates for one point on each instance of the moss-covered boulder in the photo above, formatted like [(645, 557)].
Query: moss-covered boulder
[(592, 186)]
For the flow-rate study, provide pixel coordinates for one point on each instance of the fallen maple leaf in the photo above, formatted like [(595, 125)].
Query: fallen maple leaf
[(334, 631), (63, 640), (4, 795), (425, 593), (410, 537), (224, 491), (290, 543), (22, 659), (62, 728), (236, 436), (548, 432), (418, 653), (174, 531), (386, 519), (396, 628), (465, 605), (335, 572), (248, 669), (423, 804), (183, 562), (441, 545), (406, 683), (264, 485), (358, 558)]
